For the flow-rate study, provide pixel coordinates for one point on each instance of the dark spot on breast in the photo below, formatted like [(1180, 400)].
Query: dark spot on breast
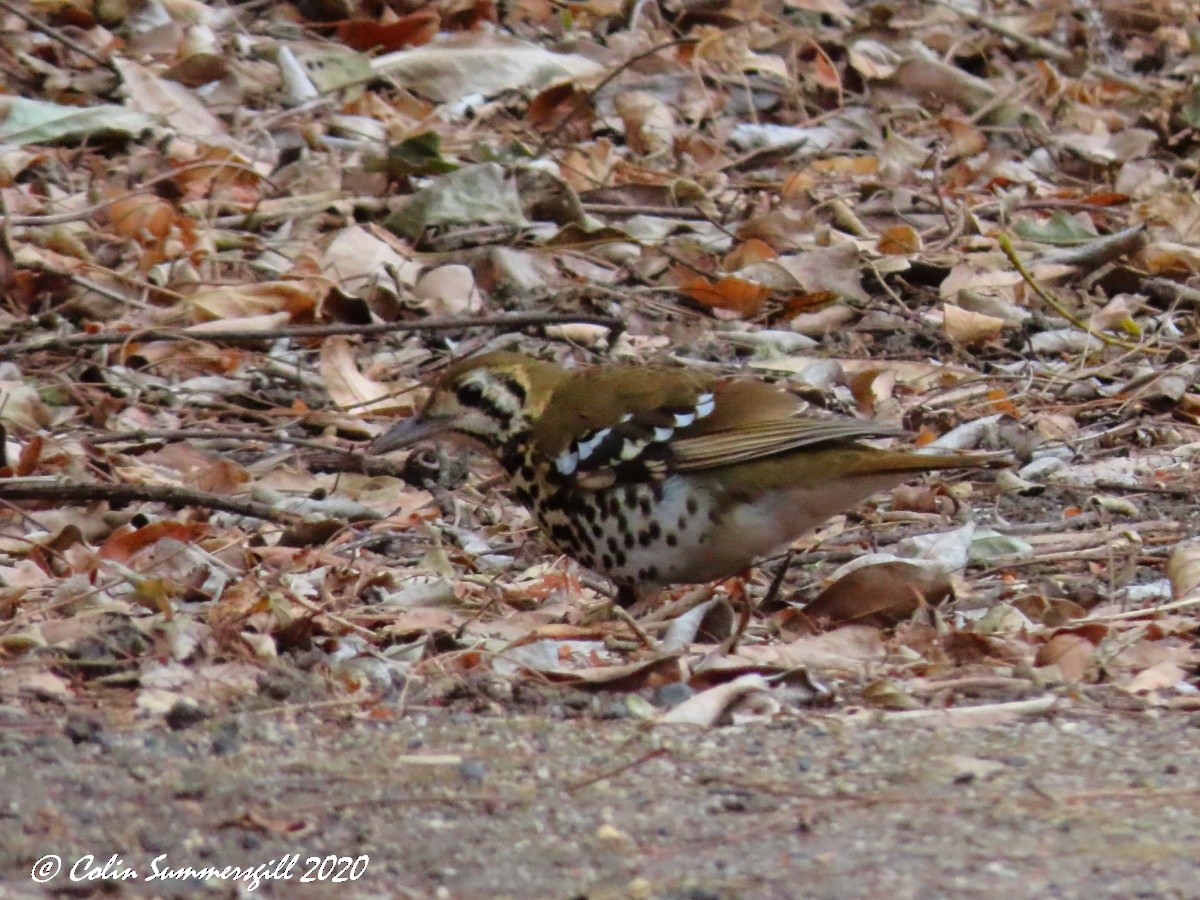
[(526, 471), (683, 523), (613, 545), (620, 558), (587, 510), (655, 531), (645, 506), (656, 488), (622, 522), (693, 505), (629, 540), (644, 538), (606, 561), (631, 495), (597, 530), (672, 540), (652, 573)]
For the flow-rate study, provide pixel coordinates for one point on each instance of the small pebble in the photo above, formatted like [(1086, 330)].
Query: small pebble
[(671, 695), (472, 770), (184, 713)]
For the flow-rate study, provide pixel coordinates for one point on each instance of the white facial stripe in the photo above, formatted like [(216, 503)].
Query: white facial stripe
[(628, 417), (663, 434), (705, 405), (683, 420), (566, 463)]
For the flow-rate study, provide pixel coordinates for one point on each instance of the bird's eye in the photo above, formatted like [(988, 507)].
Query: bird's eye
[(469, 394)]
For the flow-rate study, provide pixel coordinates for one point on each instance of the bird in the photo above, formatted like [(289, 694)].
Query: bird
[(658, 475)]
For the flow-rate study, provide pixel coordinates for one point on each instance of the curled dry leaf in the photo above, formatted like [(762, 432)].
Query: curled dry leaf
[(351, 390), (296, 298), (881, 594), (448, 291), (706, 708), (1070, 652), (965, 327), (649, 123)]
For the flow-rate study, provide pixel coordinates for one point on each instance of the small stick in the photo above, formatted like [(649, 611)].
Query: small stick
[(171, 495), (33, 22), (510, 321), (1049, 300)]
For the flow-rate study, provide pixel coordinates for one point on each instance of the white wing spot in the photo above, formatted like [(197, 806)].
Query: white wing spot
[(663, 434), (705, 405), (683, 420), (631, 450), (628, 417), (586, 448), (566, 463)]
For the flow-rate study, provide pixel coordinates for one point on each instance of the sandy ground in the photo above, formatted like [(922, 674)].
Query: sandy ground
[(1081, 803)]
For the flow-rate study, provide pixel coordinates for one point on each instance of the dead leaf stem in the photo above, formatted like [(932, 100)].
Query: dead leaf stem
[(1046, 297), (510, 322)]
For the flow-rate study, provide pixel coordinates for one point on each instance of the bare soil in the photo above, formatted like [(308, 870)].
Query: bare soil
[(1083, 803)]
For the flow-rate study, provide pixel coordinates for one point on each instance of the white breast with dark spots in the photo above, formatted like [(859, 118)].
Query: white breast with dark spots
[(645, 534)]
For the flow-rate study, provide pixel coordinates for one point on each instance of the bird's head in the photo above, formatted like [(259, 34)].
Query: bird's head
[(492, 398)]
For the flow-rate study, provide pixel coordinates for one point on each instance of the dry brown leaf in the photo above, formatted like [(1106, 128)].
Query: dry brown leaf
[(881, 594), (1183, 569), (899, 240), (966, 328), (296, 298), (349, 388), (706, 708), (729, 294), (1072, 653)]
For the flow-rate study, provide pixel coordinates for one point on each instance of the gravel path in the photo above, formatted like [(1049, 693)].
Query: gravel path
[(458, 805)]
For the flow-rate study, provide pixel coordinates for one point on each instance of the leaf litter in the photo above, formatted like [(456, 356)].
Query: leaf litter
[(947, 222)]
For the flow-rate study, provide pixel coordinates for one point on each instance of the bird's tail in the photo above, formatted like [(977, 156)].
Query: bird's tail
[(883, 462)]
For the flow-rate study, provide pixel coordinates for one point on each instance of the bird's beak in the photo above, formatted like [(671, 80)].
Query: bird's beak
[(406, 433)]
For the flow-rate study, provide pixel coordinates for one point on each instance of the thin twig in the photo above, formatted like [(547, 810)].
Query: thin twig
[(172, 495), (1107, 339), (1173, 606), (640, 633), (33, 22), (510, 321)]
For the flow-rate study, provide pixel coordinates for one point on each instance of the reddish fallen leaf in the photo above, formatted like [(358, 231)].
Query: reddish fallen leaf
[(729, 294), (123, 544), (412, 30), (1072, 653), (754, 250), (555, 105), (144, 218)]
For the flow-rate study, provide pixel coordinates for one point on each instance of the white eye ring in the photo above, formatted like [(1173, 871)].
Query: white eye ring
[(705, 405), (683, 420)]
